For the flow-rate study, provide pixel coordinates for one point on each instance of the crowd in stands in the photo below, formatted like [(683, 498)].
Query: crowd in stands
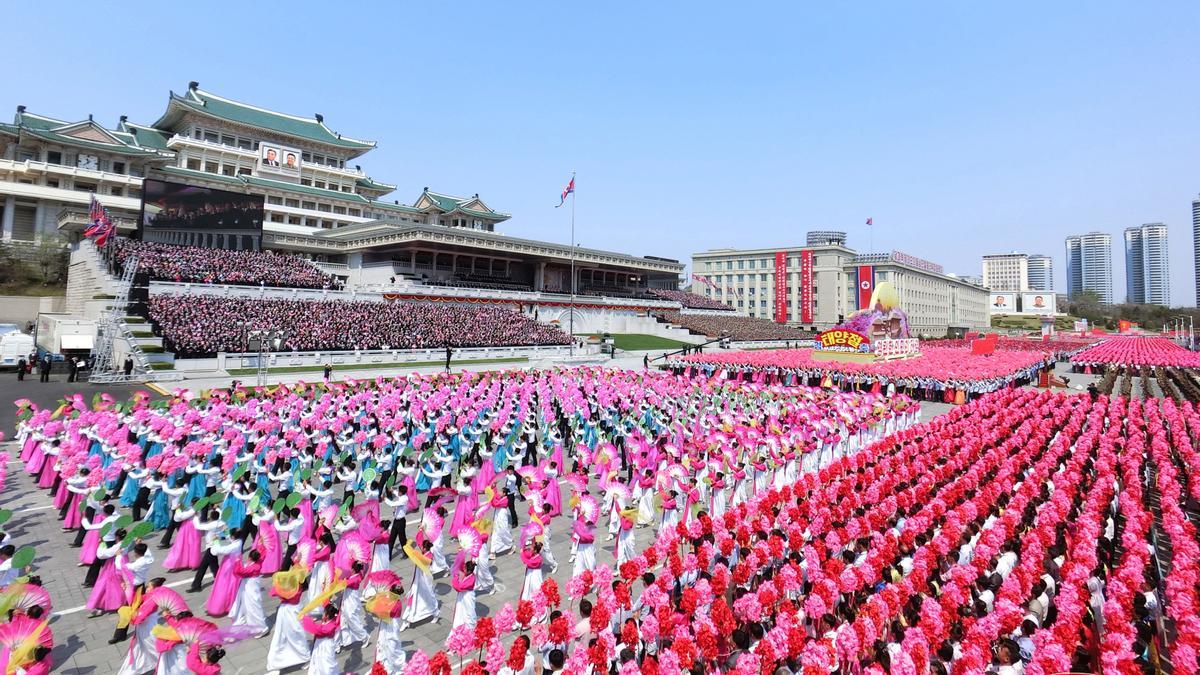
[(1061, 346), (689, 300), (735, 326), (191, 264), (197, 326)]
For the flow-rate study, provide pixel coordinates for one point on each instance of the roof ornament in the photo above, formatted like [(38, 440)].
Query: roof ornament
[(320, 117), (193, 85), (90, 117), (20, 109), (124, 119)]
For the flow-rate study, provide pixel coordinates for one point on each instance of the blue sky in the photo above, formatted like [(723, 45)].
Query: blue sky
[(962, 128)]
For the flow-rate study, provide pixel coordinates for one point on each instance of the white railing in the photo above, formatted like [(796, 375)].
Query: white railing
[(374, 293), (375, 358)]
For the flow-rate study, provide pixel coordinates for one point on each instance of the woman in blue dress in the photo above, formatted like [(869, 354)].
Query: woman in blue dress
[(160, 512)]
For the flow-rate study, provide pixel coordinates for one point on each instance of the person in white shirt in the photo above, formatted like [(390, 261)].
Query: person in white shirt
[(140, 563), (209, 525)]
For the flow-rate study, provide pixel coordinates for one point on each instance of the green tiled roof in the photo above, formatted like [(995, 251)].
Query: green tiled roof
[(451, 203), (147, 137), (368, 184), (119, 148), (389, 206), (54, 130), (203, 175), (288, 125), (32, 121)]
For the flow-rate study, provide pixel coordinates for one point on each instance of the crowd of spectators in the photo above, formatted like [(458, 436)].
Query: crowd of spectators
[(735, 326), (689, 300), (201, 326), (192, 264)]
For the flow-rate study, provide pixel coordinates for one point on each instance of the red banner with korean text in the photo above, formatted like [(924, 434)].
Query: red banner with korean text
[(781, 295), (806, 287)]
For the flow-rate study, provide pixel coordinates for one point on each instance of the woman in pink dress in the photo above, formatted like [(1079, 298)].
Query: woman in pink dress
[(91, 540), (110, 591), (48, 474), (79, 492), (551, 492), (466, 502), (225, 587), (185, 550)]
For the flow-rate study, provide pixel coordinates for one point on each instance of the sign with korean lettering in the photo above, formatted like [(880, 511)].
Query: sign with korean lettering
[(843, 340), (781, 290), (806, 287)]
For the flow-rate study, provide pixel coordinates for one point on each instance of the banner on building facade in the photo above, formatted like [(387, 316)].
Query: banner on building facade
[(806, 287), (866, 285), (781, 289)]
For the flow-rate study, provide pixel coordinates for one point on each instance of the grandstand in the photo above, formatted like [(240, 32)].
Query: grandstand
[(202, 326), (734, 326), (690, 300)]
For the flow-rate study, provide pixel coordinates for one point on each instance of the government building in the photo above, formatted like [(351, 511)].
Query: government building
[(825, 281), (317, 200)]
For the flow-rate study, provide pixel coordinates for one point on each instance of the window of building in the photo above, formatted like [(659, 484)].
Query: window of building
[(116, 191), (293, 220), (118, 167), (54, 157), (741, 264), (345, 188), (272, 199), (243, 171), (324, 208), (306, 157), (85, 187), (305, 181), (340, 210), (294, 203), (276, 217), (319, 184), (355, 212), (228, 169), (211, 137), (26, 156), (135, 193), (244, 143), (212, 167), (193, 164), (311, 206), (52, 182)]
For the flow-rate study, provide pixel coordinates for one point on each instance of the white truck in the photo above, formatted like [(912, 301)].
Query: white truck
[(14, 347), (61, 335)]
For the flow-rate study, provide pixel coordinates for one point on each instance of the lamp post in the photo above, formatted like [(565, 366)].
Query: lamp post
[(262, 341)]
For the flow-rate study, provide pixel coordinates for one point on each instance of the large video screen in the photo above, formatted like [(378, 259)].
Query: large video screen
[(175, 213)]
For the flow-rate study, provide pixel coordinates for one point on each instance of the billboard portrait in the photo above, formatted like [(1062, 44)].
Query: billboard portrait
[(187, 215), (1002, 303), (278, 159), (1038, 303)]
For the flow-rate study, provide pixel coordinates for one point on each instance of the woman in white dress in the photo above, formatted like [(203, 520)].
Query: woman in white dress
[(247, 607), (354, 620), (463, 581), (501, 538), (434, 524), (289, 642), (390, 651), (531, 557), (324, 649), (485, 582), (421, 602)]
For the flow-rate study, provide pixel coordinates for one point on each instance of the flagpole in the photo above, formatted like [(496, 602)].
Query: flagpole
[(571, 320)]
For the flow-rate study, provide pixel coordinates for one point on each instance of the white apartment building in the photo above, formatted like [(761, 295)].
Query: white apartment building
[(1006, 272)]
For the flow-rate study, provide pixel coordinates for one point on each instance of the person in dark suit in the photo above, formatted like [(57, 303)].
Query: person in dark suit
[(128, 365), (22, 364), (72, 369), (44, 368)]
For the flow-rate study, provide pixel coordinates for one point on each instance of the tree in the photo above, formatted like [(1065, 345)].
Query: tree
[(51, 259)]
